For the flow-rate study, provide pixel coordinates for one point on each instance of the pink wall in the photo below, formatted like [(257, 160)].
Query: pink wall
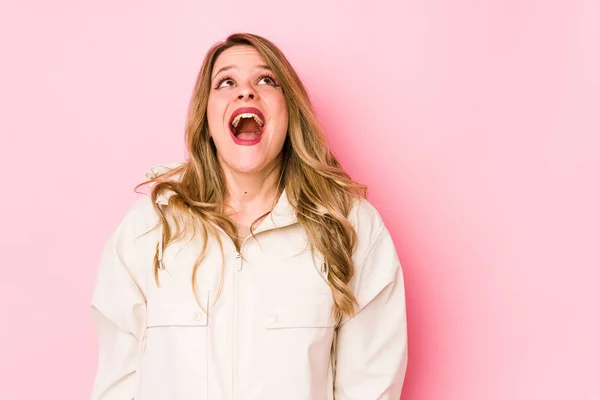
[(475, 123)]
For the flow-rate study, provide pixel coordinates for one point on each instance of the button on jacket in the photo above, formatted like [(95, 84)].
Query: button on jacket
[(270, 334)]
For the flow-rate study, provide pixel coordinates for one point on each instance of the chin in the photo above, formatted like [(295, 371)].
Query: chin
[(247, 167)]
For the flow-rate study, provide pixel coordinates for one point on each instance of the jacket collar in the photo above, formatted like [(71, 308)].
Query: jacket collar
[(283, 214)]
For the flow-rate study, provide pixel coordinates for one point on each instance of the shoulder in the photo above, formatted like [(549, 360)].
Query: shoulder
[(138, 221), (141, 216), (127, 252), (375, 258), (367, 221), (374, 242), (141, 213)]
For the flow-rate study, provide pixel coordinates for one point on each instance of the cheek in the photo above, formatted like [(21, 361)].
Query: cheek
[(284, 120), (280, 105), (281, 130), (214, 114)]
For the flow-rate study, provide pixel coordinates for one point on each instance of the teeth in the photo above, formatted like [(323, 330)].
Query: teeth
[(238, 118)]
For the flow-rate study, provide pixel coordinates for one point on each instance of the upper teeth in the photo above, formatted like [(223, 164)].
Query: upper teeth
[(238, 117)]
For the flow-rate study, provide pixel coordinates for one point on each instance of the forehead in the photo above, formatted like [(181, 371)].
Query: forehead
[(240, 56)]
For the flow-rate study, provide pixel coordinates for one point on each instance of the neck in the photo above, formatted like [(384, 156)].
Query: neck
[(252, 191)]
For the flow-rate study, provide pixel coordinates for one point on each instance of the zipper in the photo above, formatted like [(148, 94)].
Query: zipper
[(239, 269), (208, 344), (235, 330)]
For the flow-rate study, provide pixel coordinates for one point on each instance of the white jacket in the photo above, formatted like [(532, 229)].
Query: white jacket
[(270, 335)]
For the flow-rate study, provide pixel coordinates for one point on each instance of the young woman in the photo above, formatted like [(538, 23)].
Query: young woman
[(256, 269)]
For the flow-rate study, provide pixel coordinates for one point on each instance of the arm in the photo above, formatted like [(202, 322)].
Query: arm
[(118, 309), (371, 347)]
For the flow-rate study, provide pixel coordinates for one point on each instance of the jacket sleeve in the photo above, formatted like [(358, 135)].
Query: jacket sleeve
[(118, 309), (371, 347)]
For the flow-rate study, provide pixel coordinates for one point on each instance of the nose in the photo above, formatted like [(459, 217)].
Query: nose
[(247, 92)]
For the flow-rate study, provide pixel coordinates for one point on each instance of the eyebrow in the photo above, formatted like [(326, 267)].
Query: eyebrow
[(228, 67)]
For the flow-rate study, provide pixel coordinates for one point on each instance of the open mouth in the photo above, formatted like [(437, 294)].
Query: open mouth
[(247, 124)]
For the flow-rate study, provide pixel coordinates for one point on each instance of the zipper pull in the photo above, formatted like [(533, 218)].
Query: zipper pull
[(324, 267), (238, 257)]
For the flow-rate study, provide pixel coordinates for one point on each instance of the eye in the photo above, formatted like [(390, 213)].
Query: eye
[(267, 79), (224, 82)]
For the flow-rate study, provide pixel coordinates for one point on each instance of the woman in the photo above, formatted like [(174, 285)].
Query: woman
[(256, 269)]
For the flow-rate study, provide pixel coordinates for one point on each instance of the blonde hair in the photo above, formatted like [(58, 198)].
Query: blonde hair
[(315, 183)]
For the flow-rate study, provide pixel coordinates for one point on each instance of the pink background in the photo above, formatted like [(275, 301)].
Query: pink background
[(475, 123)]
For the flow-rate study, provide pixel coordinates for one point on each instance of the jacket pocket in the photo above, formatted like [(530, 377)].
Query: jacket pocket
[(299, 331), (174, 362)]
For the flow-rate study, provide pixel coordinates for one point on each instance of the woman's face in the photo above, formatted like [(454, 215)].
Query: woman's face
[(247, 112)]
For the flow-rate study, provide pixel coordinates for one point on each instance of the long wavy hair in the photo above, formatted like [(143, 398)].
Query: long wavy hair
[(314, 181)]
